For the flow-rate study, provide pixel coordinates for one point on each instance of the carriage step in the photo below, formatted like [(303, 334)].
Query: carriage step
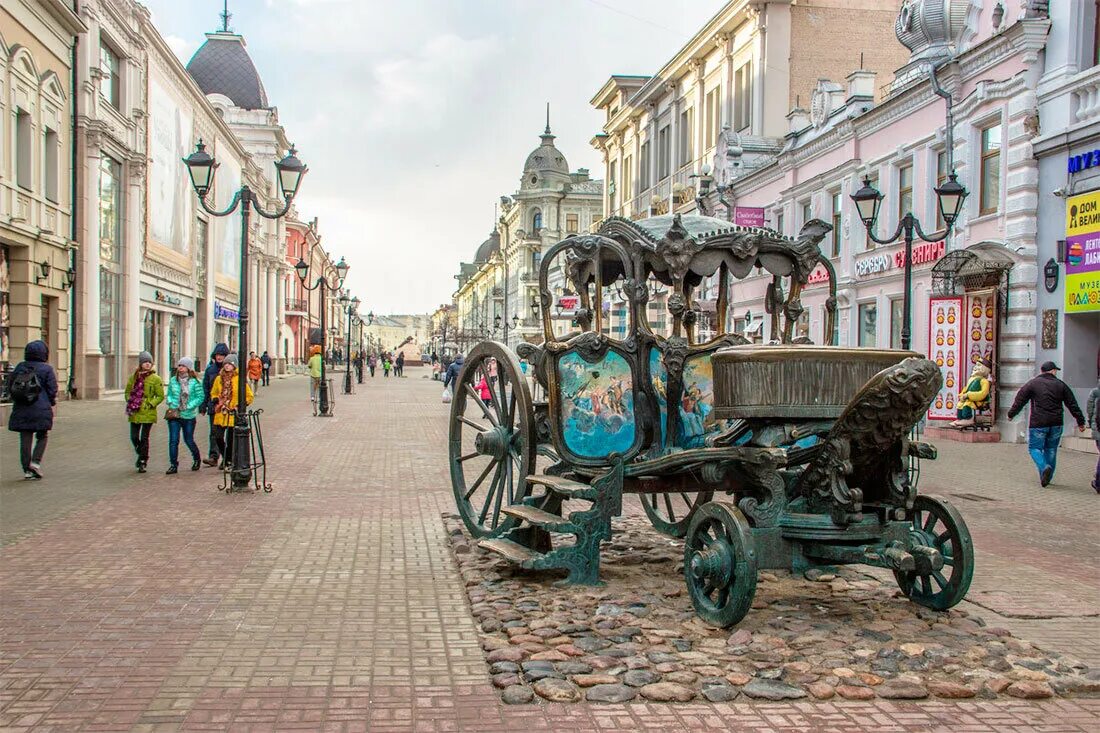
[(537, 517), (513, 551), (562, 486)]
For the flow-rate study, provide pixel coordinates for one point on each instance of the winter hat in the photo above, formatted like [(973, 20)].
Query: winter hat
[(145, 356), (231, 359), (186, 361)]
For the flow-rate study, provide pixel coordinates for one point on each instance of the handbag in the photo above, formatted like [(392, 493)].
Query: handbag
[(171, 414), (446, 394)]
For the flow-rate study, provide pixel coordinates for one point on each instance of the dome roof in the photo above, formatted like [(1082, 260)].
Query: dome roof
[(488, 248), (546, 158), (223, 66), (928, 28)]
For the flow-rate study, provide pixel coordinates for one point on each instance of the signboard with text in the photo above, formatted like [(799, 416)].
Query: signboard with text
[(748, 216), (945, 347), (1083, 253)]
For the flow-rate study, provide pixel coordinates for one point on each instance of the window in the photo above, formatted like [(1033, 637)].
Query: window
[(24, 177), (51, 175), (868, 324), (941, 176), (628, 179), (802, 325), (807, 211), (536, 221), (110, 210), (664, 153), (110, 85), (742, 104), (905, 190), (684, 151), (202, 236), (838, 222), (643, 168), (571, 224), (612, 184), (991, 169), (595, 220), (712, 117), (1096, 33), (779, 222), (874, 184), (896, 312)]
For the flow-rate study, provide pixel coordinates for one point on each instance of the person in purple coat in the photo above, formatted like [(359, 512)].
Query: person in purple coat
[(33, 389)]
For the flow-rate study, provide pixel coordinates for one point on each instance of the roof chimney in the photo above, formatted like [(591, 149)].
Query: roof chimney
[(861, 86), (798, 120)]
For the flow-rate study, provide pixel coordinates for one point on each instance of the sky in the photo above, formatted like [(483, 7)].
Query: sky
[(416, 116)]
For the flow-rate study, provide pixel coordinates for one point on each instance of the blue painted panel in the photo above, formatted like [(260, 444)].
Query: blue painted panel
[(659, 375), (597, 406), (696, 403)]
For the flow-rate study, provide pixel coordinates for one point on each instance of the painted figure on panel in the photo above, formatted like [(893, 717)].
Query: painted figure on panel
[(597, 404)]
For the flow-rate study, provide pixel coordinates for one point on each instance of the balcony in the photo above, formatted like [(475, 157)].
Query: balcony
[(529, 277), (296, 306)]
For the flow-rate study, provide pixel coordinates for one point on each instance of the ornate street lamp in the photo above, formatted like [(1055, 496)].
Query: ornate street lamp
[(201, 167), (949, 197), (331, 278), (351, 305)]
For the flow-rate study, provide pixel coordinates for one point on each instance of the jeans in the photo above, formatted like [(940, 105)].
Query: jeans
[(187, 427), (28, 456), (213, 435), (139, 436), (1042, 444), (267, 376)]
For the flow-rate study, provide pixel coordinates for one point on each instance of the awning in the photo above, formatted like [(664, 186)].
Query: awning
[(755, 327)]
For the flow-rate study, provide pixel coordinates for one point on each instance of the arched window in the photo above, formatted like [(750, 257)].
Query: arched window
[(536, 221)]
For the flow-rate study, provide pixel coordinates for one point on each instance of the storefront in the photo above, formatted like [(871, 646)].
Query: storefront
[(6, 357), (166, 320)]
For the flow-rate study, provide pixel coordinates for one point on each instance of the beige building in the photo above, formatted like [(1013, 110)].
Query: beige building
[(37, 242)]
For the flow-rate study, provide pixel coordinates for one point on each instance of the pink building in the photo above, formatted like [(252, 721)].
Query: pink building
[(986, 56)]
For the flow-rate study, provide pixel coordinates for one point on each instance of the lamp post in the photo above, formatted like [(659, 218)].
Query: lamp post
[(362, 353), (332, 278), (201, 167), (949, 198), (350, 306)]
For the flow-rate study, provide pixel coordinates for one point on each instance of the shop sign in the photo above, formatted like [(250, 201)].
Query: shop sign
[(223, 313), (748, 216), (922, 253), (1083, 253), (872, 265), (1084, 161), (165, 297), (567, 305)]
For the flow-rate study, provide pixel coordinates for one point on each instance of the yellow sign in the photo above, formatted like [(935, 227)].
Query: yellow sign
[(1083, 214), (1082, 278), (1082, 292)]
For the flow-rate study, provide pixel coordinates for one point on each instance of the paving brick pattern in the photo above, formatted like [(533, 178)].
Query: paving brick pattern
[(158, 603)]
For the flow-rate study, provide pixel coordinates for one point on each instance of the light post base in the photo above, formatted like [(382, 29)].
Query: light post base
[(347, 382), (247, 472), (324, 400)]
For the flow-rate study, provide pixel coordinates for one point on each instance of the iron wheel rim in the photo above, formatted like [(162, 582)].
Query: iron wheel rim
[(936, 523), (720, 564)]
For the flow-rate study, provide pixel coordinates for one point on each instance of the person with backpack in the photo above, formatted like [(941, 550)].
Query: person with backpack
[(33, 389), (144, 391), (183, 400), (217, 356), (265, 360)]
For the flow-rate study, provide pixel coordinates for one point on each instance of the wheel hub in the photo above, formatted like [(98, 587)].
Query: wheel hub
[(493, 442), (713, 563)]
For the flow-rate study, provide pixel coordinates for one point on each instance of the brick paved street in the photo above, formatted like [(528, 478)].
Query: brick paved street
[(158, 603)]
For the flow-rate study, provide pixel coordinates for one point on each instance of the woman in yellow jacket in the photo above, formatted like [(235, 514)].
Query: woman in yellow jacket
[(223, 395)]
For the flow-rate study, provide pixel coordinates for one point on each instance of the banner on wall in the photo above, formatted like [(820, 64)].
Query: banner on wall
[(170, 196), (945, 347), (981, 330), (1083, 253)]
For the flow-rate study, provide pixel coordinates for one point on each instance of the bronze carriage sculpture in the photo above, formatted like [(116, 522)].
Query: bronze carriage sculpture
[(808, 445)]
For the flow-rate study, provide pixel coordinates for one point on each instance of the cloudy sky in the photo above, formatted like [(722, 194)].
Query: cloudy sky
[(415, 116)]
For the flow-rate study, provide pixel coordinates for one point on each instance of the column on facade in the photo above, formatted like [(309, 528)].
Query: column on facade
[(280, 315), (135, 238), (759, 52), (90, 257), (272, 337), (263, 312), (725, 42), (673, 142), (699, 67), (651, 162)]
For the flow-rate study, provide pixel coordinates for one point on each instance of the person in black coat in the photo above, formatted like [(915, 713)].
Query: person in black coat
[(33, 420), (1048, 396), (265, 360), (216, 358)]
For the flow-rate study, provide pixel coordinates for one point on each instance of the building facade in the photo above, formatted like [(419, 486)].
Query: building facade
[(1068, 151), (38, 41)]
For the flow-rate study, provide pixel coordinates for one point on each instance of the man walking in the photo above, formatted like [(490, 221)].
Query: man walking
[(265, 361), (1047, 395), (206, 408)]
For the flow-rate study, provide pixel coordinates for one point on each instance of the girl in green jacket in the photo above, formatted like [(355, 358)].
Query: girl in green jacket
[(144, 391)]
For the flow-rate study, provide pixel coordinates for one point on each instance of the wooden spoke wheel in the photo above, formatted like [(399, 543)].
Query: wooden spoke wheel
[(720, 563), (492, 438), (939, 525), (671, 513)]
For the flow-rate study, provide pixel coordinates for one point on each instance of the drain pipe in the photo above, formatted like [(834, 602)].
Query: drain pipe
[(949, 134), (70, 388)]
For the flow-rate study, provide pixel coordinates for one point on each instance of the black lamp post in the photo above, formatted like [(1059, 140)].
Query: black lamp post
[(350, 306), (201, 167), (332, 278), (949, 197), (362, 353)]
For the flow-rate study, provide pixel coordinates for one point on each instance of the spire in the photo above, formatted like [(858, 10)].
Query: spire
[(547, 136), (225, 16), (547, 118)]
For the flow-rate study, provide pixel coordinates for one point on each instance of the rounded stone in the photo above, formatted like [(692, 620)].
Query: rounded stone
[(773, 690), (505, 680), (591, 680), (610, 692), (517, 695), (556, 690), (899, 690), (821, 691), (640, 677), (512, 654), (500, 667), (950, 690), (720, 693), (851, 692), (667, 692), (1030, 690)]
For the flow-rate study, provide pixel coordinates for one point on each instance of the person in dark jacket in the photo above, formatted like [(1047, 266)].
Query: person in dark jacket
[(265, 362), (399, 365), (453, 370), (33, 419), (216, 358), (1047, 395)]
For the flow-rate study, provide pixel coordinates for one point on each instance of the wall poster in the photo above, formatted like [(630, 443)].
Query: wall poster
[(169, 199), (945, 347), (228, 244), (981, 332), (1083, 253)]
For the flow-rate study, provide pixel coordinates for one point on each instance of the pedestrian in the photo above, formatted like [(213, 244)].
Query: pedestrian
[(373, 364), (265, 360), (386, 365), (33, 389), (144, 391), (255, 371), (400, 371), (453, 370), (225, 399), (1093, 409), (1047, 395), (314, 374), (359, 366), (184, 397), (217, 356)]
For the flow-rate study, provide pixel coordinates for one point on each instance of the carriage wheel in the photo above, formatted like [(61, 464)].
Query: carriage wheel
[(938, 524), (492, 441), (720, 564), (671, 513)]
